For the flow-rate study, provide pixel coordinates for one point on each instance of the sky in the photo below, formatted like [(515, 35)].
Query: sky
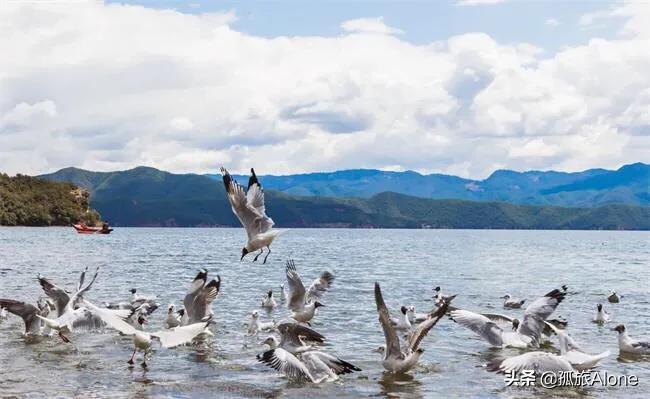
[(461, 87)]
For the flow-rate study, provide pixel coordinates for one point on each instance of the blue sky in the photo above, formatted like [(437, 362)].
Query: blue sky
[(421, 21), (304, 86)]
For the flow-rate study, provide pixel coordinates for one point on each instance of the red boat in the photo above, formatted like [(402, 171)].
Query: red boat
[(83, 229)]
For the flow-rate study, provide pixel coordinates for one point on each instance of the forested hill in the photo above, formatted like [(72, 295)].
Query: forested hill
[(149, 197), (29, 201)]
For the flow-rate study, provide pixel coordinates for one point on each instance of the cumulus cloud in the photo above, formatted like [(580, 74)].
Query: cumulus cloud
[(369, 25), (109, 86)]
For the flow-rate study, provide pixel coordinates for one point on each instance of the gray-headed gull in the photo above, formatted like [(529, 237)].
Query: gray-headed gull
[(250, 210)]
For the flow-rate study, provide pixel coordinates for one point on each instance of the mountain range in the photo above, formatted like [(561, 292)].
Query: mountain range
[(628, 185), (149, 197)]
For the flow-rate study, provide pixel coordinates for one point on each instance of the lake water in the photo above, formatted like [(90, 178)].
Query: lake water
[(479, 266)]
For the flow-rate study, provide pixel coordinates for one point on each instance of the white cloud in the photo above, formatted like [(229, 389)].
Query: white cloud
[(478, 2), (110, 87), (369, 25), (552, 22)]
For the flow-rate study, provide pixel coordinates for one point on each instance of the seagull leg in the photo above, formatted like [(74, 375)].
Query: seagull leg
[(267, 255), (258, 255), (132, 356), (64, 338)]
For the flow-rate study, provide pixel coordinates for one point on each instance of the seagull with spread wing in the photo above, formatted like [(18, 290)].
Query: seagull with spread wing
[(143, 340), (525, 334), (199, 298), (400, 361), (250, 210), (303, 303)]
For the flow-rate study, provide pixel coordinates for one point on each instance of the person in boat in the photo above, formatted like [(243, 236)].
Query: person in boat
[(105, 227)]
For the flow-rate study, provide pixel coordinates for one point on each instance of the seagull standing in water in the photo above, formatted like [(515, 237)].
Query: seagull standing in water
[(601, 315), (396, 360), (512, 303), (250, 210), (269, 302), (629, 345)]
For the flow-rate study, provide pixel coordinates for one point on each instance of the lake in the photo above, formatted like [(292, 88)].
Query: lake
[(479, 266)]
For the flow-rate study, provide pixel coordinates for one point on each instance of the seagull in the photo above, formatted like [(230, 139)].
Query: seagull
[(415, 317), (313, 366), (613, 297), (25, 311), (283, 293), (525, 334), (629, 345), (402, 323), (173, 319), (571, 352), (3, 313), (137, 299), (199, 298), (251, 212), (395, 360), (256, 325), (539, 362), (303, 303), (291, 338), (268, 301), (601, 315), (143, 340), (64, 319), (512, 303)]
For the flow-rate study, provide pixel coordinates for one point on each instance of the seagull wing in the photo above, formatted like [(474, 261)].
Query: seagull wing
[(255, 199), (537, 361), (319, 286), (180, 335), (285, 362), (197, 285), (423, 328), (200, 306), (291, 332), (479, 324), (25, 311), (60, 296), (537, 312), (392, 340), (249, 216), (113, 318), (338, 365), (296, 300)]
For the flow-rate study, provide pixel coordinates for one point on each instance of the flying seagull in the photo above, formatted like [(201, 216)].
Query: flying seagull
[(395, 359), (250, 210), (571, 351)]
